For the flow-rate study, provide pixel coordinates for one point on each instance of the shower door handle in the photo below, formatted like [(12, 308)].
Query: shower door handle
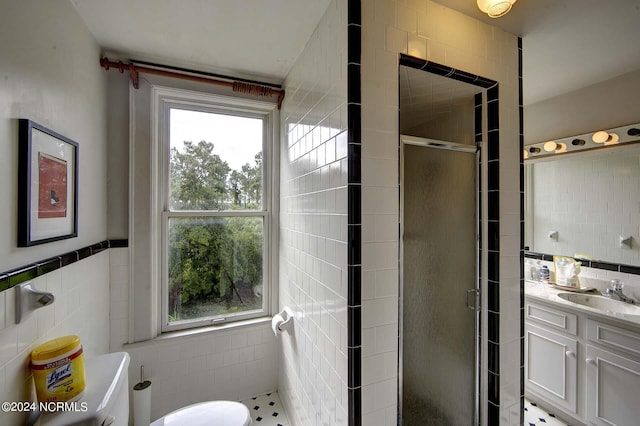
[(475, 292)]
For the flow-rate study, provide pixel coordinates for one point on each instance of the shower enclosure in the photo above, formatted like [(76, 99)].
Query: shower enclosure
[(442, 376), (439, 283)]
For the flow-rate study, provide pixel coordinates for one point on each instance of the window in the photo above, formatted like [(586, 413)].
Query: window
[(215, 202)]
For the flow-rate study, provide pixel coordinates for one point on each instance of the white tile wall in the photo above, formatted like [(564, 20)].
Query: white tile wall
[(591, 200), (231, 364), (119, 297), (223, 365), (313, 220), (81, 291), (430, 31)]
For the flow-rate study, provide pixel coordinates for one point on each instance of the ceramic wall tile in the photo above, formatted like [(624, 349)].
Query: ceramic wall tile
[(450, 38), (313, 227)]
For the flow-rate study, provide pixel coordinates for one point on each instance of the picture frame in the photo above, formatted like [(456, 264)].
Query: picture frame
[(47, 185)]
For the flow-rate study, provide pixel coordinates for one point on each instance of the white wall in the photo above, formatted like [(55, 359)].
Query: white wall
[(313, 227), (49, 72), (449, 124), (118, 159), (605, 105), (429, 31)]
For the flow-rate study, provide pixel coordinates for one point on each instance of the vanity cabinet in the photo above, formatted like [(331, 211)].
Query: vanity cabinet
[(551, 358), (552, 366), (612, 374), (585, 365), (612, 388)]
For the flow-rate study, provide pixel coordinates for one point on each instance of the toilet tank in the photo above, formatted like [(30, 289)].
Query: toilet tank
[(105, 400)]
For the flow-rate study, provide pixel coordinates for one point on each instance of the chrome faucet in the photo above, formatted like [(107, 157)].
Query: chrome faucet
[(615, 292)]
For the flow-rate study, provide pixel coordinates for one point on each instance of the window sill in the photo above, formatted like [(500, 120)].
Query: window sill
[(211, 329)]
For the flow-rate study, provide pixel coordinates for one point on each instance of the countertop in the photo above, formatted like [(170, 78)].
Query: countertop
[(546, 293)]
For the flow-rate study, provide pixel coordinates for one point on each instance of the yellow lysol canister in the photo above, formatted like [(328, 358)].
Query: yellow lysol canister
[(58, 369)]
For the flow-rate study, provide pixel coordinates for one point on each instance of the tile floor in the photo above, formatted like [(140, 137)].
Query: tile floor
[(267, 410), (536, 416)]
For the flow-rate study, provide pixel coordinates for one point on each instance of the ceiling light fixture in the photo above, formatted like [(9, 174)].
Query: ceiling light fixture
[(550, 146), (495, 8)]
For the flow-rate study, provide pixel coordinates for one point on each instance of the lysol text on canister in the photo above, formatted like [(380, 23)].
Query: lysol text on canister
[(58, 369)]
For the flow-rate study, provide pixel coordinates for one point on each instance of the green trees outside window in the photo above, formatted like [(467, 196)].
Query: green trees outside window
[(215, 263)]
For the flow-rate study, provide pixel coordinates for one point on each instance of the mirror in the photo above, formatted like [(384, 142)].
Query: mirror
[(585, 204), (580, 76)]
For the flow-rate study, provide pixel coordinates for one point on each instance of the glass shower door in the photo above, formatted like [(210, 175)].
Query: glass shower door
[(439, 258)]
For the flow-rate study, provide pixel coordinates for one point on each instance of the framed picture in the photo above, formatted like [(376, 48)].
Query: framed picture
[(47, 185)]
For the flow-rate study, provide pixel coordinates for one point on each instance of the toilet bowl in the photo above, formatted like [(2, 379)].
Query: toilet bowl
[(105, 402), (219, 413)]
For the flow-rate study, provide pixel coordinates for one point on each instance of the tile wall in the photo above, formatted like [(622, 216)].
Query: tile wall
[(233, 365), (427, 30), (81, 291), (313, 227), (224, 365), (354, 215)]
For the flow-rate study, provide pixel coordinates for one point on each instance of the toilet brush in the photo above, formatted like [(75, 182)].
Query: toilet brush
[(142, 401)]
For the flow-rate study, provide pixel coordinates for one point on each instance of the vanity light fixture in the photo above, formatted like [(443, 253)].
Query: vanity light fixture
[(495, 8), (555, 147), (525, 154), (600, 137), (628, 134), (612, 139)]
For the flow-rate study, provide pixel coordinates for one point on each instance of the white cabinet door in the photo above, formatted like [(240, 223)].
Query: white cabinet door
[(613, 389), (551, 366)]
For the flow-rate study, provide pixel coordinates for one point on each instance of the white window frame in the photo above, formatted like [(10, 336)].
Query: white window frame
[(163, 100)]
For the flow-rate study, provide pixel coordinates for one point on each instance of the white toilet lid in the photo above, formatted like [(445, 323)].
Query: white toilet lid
[(218, 413)]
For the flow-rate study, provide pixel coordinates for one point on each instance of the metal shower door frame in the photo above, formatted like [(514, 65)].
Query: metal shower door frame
[(480, 315)]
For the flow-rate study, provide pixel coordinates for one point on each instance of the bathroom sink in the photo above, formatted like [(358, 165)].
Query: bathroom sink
[(602, 303)]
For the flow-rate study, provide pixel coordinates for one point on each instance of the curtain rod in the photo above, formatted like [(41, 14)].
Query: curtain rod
[(202, 73), (236, 86)]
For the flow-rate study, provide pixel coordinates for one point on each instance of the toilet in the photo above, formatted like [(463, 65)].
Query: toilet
[(219, 413), (106, 398)]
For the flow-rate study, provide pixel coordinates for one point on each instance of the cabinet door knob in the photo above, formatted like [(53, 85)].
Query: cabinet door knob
[(570, 354), (591, 361)]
